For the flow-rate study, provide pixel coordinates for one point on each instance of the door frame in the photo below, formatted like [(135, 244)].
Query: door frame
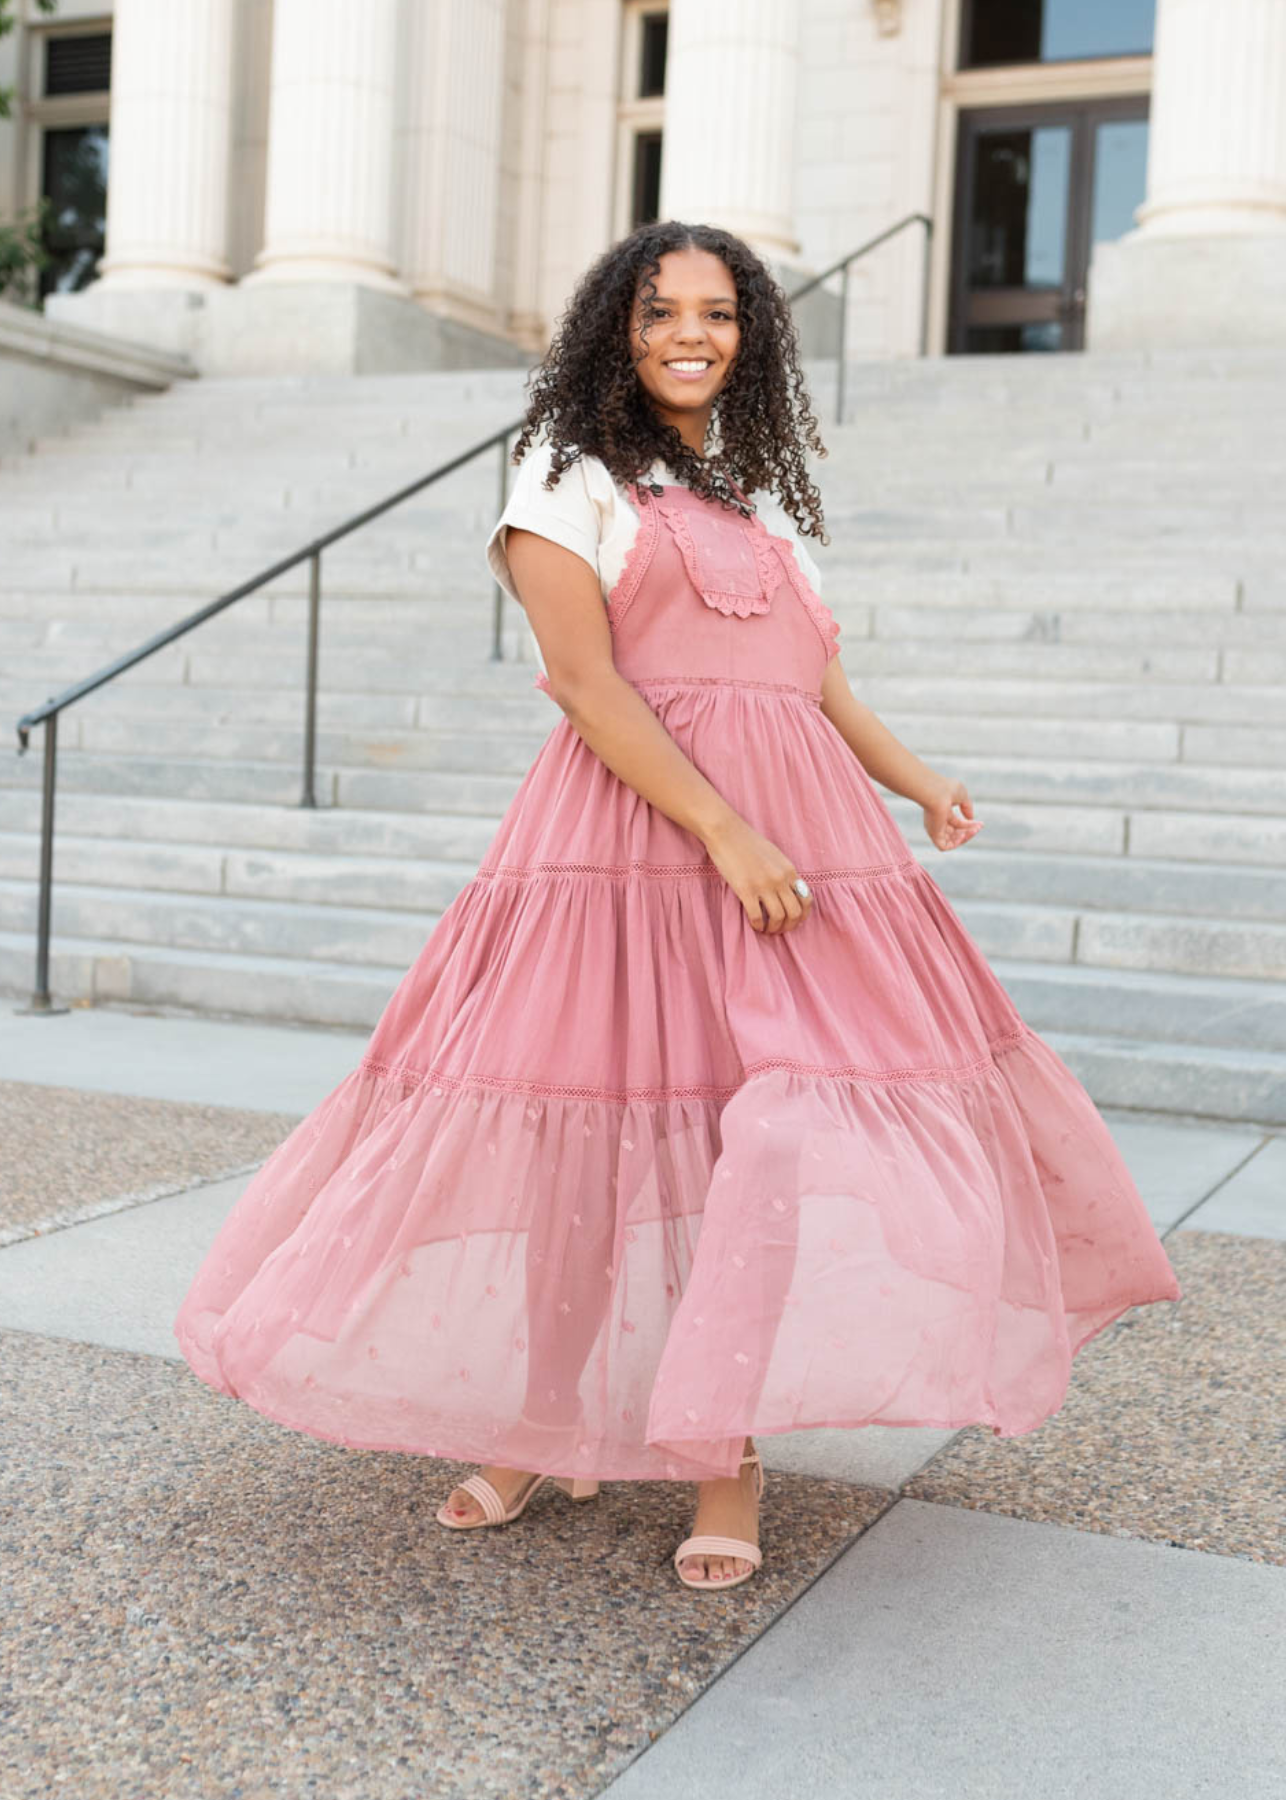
[(1067, 304), (1012, 84)]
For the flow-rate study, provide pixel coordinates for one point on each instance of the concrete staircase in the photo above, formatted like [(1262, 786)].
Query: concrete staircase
[(1062, 579)]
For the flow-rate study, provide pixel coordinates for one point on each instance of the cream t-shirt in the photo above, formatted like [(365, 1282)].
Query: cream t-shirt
[(590, 514)]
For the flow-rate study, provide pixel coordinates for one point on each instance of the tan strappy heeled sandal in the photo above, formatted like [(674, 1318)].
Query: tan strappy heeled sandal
[(493, 1507), (706, 1544)]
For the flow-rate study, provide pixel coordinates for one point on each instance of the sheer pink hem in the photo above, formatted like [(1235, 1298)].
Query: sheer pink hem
[(402, 1273)]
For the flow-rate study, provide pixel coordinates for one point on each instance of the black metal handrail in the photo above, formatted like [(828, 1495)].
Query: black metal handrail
[(842, 267), (41, 1000)]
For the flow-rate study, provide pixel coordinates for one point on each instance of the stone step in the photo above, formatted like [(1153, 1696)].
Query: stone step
[(1093, 831), (1202, 1082), (512, 702), (1200, 1010), (894, 625), (1207, 703), (364, 561), (1192, 787), (169, 593), (478, 747), (873, 637), (1208, 794), (397, 693), (138, 820), (197, 779), (460, 738), (1134, 883), (342, 878), (931, 623), (1059, 883), (381, 432), (103, 971), (1087, 830), (1173, 943), (344, 642), (1224, 531), (246, 926)]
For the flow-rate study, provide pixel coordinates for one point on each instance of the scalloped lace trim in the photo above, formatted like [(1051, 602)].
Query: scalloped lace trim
[(817, 610), (637, 557)]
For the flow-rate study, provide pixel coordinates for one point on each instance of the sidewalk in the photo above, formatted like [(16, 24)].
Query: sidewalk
[(198, 1602)]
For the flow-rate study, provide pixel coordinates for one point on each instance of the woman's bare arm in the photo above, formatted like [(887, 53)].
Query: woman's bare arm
[(564, 602), (887, 760)]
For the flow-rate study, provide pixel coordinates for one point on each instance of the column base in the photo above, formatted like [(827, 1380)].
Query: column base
[(1188, 293), (288, 328)]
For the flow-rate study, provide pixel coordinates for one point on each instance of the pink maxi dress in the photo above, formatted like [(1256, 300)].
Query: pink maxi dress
[(619, 1180)]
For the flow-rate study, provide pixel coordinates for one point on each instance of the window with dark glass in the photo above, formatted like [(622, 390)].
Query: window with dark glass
[(74, 179), (645, 203), (653, 35), (994, 32), (81, 64), (1018, 215)]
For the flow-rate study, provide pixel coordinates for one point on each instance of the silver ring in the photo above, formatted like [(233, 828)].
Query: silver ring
[(802, 888)]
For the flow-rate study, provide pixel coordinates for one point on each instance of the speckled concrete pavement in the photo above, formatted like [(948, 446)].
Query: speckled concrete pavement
[(70, 1155), (196, 1602)]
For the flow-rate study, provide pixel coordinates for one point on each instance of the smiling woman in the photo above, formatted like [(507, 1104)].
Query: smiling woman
[(700, 1114)]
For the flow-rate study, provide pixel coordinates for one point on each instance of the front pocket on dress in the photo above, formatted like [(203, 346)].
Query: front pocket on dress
[(728, 567)]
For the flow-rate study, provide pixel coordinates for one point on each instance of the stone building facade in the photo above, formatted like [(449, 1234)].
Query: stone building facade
[(362, 184)]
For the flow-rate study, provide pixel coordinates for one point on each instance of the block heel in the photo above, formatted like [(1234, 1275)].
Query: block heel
[(575, 1487)]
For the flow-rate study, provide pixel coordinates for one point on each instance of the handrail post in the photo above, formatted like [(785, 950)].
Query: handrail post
[(309, 795), (927, 279), (498, 601), (41, 998), (843, 345)]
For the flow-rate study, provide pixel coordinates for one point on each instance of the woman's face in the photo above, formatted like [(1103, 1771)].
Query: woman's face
[(691, 322)]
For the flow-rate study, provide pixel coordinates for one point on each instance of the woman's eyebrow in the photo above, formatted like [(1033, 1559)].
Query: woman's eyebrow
[(718, 300)]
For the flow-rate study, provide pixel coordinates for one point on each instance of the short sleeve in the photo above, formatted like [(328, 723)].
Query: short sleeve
[(566, 514)]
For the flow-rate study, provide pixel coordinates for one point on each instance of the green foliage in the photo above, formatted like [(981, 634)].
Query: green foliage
[(22, 251), (7, 23)]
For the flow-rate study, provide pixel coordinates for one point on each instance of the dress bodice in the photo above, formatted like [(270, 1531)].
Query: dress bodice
[(708, 593)]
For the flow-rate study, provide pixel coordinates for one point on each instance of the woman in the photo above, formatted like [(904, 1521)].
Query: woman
[(700, 1114)]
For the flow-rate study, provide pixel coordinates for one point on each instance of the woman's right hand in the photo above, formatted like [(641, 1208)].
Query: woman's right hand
[(760, 875)]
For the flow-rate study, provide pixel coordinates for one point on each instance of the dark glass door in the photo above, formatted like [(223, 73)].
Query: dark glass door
[(1036, 188)]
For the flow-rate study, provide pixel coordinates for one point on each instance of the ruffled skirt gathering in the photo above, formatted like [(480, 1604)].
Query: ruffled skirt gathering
[(619, 1180)]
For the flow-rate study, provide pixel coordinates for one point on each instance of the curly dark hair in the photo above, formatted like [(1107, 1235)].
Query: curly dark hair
[(585, 390)]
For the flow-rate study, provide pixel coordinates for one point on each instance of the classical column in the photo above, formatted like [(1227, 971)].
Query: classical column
[(1217, 144), (729, 149), (1207, 264), (330, 194), (171, 131), (453, 153)]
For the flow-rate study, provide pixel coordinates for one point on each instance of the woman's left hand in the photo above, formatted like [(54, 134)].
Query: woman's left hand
[(945, 830)]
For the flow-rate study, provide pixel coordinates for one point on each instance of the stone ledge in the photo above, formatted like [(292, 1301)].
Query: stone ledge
[(39, 337)]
